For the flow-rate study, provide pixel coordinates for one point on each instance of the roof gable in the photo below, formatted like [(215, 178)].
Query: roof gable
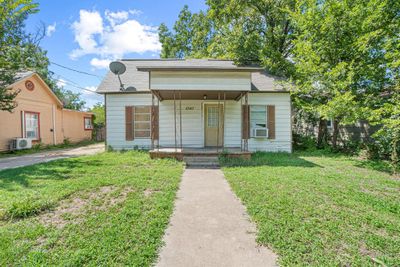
[(20, 84), (137, 73)]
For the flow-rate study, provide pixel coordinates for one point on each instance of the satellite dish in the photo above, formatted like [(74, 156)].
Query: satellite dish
[(117, 68), (131, 88)]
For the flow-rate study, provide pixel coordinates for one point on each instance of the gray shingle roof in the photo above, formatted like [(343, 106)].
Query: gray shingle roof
[(139, 79)]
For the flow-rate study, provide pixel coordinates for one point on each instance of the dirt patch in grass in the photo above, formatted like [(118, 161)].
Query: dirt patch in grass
[(71, 210), (148, 192)]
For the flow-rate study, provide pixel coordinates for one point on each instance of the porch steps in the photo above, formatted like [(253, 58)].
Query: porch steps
[(204, 161)]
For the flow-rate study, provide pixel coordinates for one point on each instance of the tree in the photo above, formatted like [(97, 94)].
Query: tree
[(191, 37), (69, 99), (245, 31), (99, 114), (388, 117), (339, 64), (16, 47), (256, 31)]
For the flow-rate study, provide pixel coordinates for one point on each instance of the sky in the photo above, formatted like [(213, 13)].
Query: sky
[(85, 35)]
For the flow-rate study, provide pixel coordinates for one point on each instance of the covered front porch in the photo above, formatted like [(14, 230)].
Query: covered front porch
[(181, 153), (198, 116)]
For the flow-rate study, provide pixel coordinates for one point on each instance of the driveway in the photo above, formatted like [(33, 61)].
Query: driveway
[(25, 160), (210, 226)]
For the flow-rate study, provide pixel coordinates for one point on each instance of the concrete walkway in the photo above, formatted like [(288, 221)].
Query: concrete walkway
[(30, 159), (210, 226)]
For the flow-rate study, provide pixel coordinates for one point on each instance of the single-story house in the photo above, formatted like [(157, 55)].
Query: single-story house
[(196, 104), (40, 116)]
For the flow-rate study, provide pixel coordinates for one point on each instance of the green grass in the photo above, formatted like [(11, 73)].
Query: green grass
[(43, 148), (318, 209), (122, 226)]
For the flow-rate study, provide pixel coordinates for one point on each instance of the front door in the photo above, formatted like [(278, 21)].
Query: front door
[(213, 125)]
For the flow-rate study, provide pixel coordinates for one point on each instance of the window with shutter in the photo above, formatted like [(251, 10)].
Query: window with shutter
[(271, 121), (129, 123), (142, 121)]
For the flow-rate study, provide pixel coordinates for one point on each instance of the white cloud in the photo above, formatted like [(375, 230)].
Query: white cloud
[(116, 17), (112, 37), (51, 29), (90, 88), (89, 24), (135, 12), (61, 82), (100, 63), (91, 98)]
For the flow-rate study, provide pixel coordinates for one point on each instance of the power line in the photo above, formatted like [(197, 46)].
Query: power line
[(76, 86), (78, 71), (63, 79)]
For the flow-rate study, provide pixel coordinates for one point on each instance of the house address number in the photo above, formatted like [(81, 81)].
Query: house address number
[(189, 108)]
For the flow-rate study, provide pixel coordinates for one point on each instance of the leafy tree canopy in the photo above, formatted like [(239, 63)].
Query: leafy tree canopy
[(99, 114), (245, 31), (20, 51)]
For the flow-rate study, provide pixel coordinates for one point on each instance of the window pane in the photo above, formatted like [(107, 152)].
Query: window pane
[(142, 126), (142, 109), (142, 117), (258, 116), (142, 121), (88, 123), (212, 117), (142, 134), (30, 134), (32, 125)]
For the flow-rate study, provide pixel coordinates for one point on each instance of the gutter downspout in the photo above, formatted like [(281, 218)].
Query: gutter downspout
[(54, 125)]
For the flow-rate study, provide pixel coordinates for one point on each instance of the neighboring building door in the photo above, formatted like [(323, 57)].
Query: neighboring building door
[(213, 125)]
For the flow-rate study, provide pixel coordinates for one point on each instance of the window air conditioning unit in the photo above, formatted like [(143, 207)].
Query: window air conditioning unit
[(260, 132), (21, 143)]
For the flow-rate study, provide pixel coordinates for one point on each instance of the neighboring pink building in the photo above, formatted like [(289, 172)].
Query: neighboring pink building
[(41, 117)]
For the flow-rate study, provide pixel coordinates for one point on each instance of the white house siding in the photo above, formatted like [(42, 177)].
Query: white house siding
[(233, 124), (116, 120), (168, 80), (283, 133), (193, 122)]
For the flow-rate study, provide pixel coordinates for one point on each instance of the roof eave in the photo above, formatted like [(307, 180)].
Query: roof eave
[(222, 69)]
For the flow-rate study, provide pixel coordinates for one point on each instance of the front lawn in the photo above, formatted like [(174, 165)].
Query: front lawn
[(107, 209), (320, 210)]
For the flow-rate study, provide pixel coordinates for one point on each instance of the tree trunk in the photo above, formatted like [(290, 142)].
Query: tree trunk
[(321, 138), (335, 133)]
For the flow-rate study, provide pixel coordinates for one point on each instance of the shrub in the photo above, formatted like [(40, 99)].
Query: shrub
[(301, 142), (66, 141)]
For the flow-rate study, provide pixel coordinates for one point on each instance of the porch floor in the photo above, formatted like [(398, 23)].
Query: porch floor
[(192, 152)]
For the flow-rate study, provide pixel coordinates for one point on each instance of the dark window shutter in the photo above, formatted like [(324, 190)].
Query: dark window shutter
[(129, 135), (155, 128), (245, 121), (271, 121)]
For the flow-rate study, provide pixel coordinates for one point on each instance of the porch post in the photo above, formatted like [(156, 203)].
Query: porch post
[(180, 118), (152, 120), (241, 128), (175, 119), (246, 141), (158, 139), (218, 122), (223, 122)]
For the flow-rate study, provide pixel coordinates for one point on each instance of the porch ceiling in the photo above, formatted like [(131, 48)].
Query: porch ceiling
[(197, 95)]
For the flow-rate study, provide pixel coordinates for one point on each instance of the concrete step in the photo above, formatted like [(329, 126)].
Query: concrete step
[(202, 165), (201, 161)]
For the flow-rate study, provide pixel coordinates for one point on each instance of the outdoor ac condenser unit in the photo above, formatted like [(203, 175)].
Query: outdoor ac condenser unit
[(260, 132), (21, 143)]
